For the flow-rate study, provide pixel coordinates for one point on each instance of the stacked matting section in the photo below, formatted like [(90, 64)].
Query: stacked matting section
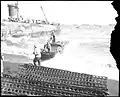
[(44, 81)]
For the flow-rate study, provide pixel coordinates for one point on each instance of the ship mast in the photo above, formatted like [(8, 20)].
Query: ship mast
[(44, 15)]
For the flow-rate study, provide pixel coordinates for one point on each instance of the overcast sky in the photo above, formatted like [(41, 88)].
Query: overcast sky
[(66, 12)]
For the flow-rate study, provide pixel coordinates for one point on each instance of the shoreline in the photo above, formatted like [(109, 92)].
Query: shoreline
[(24, 59)]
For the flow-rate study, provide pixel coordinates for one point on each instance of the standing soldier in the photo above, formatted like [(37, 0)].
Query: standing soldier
[(37, 59), (47, 47), (52, 37)]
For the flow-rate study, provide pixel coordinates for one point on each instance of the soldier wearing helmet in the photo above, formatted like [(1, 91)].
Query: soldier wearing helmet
[(52, 37), (37, 53), (47, 46)]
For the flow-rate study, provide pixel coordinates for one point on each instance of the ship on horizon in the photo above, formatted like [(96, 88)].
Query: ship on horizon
[(16, 18)]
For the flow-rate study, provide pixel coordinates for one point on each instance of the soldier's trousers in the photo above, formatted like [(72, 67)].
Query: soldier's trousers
[(37, 61)]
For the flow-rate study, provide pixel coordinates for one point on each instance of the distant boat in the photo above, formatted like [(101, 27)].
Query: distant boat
[(14, 16), (18, 35)]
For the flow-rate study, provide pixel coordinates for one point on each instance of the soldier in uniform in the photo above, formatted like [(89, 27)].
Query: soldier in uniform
[(47, 47), (52, 37), (37, 59)]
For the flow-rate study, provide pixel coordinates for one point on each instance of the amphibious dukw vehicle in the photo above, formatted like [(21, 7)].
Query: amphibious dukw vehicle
[(56, 47)]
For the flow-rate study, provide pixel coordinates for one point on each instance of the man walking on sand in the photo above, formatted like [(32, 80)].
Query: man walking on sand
[(37, 59)]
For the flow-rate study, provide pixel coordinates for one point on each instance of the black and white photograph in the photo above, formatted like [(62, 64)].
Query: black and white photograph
[(58, 48)]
